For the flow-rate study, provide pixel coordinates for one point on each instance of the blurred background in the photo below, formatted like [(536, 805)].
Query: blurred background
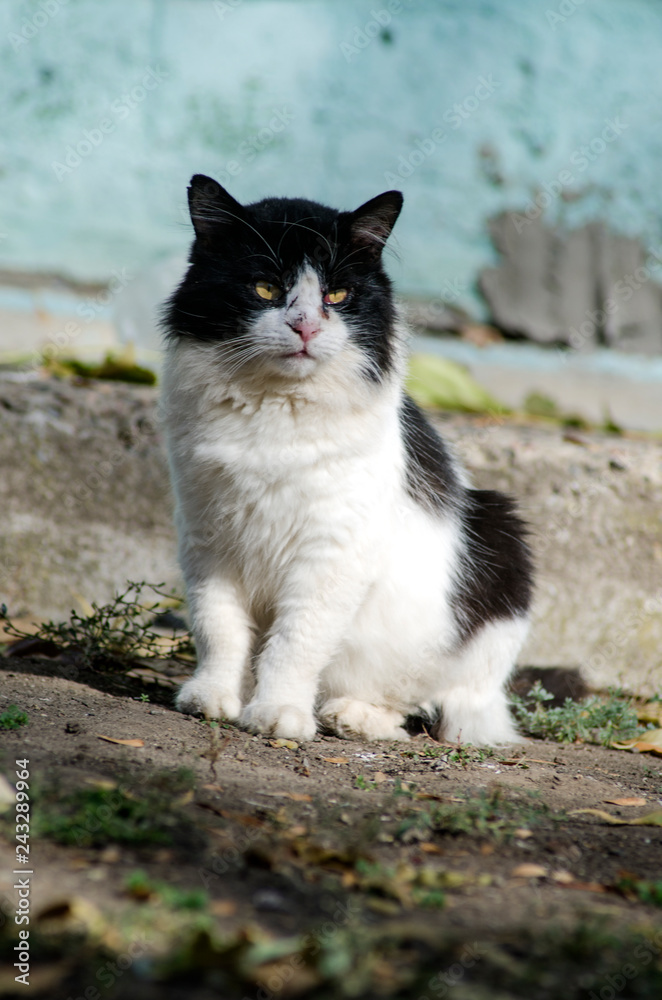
[(526, 138)]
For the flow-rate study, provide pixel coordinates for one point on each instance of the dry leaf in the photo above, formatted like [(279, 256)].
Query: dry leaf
[(379, 777), (83, 604), (522, 833), (650, 742), (565, 878), (429, 848), (650, 712), (110, 855), (336, 760), (244, 818), (124, 743), (295, 796), (184, 799), (284, 744), (223, 907), (633, 801), (529, 870), (651, 819), (585, 886)]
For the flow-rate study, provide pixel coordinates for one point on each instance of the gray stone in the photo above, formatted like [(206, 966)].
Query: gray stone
[(84, 494)]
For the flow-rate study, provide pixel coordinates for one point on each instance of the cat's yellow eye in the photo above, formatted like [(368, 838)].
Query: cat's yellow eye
[(268, 291), (335, 297)]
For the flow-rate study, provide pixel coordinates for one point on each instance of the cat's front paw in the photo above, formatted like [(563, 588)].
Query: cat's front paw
[(358, 719), (200, 696), (285, 721)]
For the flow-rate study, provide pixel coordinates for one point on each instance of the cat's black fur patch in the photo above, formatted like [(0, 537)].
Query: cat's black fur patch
[(495, 576), (430, 475), (270, 240), (495, 579)]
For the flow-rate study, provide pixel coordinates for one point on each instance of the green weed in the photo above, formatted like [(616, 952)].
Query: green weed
[(461, 755), (139, 885), (489, 814), (594, 720), (119, 632), (94, 817), (642, 889), (409, 885), (13, 718)]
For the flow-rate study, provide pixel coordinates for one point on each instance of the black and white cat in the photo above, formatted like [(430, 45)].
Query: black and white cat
[(339, 567)]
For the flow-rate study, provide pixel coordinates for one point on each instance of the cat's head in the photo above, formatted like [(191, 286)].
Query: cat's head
[(285, 284)]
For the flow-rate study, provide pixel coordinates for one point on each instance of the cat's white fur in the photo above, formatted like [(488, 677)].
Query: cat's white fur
[(316, 584)]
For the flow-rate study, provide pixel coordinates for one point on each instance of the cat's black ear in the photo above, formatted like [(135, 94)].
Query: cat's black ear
[(210, 206), (371, 224)]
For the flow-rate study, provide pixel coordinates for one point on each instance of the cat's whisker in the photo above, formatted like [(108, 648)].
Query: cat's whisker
[(299, 225), (239, 218), (338, 267)]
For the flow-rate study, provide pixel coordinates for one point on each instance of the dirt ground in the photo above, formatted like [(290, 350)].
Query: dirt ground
[(326, 871)]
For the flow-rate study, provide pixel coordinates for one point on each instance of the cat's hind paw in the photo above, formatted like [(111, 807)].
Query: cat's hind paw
[(284, 721), (200, 696), (352, 719)]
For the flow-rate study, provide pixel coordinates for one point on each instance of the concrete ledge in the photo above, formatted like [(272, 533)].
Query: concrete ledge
[(86, 505)]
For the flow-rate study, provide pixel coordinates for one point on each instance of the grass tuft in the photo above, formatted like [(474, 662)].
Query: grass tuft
[(95, 817), (593, 720), (13, 718), (489, 814)]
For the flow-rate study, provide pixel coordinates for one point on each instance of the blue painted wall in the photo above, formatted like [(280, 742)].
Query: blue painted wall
[(469, 106)]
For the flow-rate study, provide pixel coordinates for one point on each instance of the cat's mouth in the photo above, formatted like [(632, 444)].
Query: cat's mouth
[(303, 353)]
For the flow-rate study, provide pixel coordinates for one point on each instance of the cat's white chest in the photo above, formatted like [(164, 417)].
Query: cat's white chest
[(285, 484)]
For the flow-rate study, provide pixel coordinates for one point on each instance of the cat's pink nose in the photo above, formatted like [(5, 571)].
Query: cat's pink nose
[(306, 328)]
